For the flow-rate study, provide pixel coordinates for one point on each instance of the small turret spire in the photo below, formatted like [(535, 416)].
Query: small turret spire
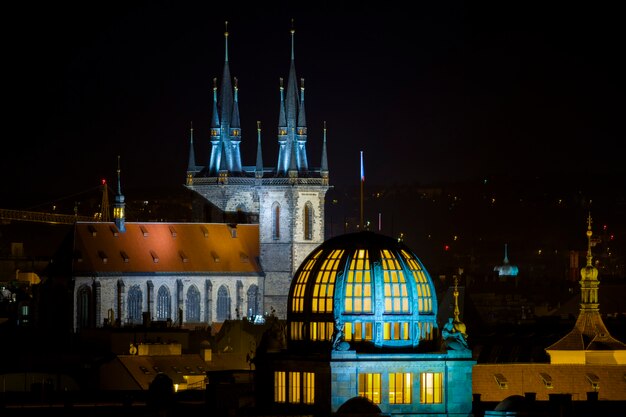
[(191, 165), (324, 164), (259, 155)]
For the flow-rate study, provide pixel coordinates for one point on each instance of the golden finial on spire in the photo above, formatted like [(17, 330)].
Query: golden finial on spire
[(215, 83), (258, 125), (236, 83), (589, 234), (293, 30), (324, 124), (456, 299), (281, 82), (226, 28)]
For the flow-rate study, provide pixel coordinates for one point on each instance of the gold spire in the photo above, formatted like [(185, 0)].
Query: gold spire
[(456, 299), (589, 234)]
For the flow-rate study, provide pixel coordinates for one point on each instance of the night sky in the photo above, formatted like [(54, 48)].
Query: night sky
[(440, 93)]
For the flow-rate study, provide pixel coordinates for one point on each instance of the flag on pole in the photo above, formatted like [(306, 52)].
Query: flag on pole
[(362, 169)]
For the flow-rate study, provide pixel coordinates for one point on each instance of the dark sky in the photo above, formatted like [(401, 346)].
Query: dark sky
[(439, 93)]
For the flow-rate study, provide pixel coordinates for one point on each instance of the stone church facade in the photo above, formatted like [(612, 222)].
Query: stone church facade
[(270, 219)]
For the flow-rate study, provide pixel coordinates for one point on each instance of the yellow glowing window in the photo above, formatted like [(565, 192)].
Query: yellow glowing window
[(431, 388), (308, 387), (294, 387), (395, 290), (369, 387), (324, 288), (396, 331), (358, 331), (424, 295), (400, 388), (358, 291), (279, 387), (297, 301), (321, 330), (296, 330)]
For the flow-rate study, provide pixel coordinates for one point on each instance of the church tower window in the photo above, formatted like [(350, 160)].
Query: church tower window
[(308, 221), (164, 303), (223, 304), (193, 304), (276, 221)]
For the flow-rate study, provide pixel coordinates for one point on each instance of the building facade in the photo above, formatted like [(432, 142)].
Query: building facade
[(270, 219)]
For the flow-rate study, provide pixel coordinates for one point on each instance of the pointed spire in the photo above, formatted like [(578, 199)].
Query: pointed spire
[(293, 32), (589, 278), (506, 256), (324, 164), (301, 112), (282, 119), (235, 123), (191, 165), (259, 154), (215, 120), (226, 89), (119, 208)]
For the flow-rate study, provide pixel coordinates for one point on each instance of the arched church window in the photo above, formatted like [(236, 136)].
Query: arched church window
[(253, 301), (193, 304), (308, 221), (223, 304), (134, 305), (164, 303), (276, 220), (83, 298)]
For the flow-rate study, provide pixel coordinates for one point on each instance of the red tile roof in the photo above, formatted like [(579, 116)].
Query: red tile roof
[(100, 248)]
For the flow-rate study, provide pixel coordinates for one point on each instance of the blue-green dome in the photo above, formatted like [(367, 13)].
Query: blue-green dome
[(371, 287)]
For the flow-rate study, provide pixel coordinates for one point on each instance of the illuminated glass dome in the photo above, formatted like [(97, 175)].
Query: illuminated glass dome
[(369, 286)]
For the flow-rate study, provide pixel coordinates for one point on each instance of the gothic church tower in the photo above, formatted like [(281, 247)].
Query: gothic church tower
[(286, 200)]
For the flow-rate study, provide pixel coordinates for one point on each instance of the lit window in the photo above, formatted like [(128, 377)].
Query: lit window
[(358, 296), (358, 331), (396, 331), (308, 382), (279, 387), (369, 387), (396, 293), (321, 330), (431, 388), (297, 299), (296, 330), (294, 387), (324, 288), (400, 388), (424, 295)]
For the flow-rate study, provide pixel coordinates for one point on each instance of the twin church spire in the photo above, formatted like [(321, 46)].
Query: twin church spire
[(226, 133)]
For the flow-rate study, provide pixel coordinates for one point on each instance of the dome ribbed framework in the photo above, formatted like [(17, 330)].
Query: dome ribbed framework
[(370, 288)]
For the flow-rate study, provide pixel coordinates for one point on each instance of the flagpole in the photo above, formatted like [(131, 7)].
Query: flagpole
[(362, 181)]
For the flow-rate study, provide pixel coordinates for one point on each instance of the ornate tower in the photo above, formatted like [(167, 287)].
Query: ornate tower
[(287, 200), (119, 215)]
